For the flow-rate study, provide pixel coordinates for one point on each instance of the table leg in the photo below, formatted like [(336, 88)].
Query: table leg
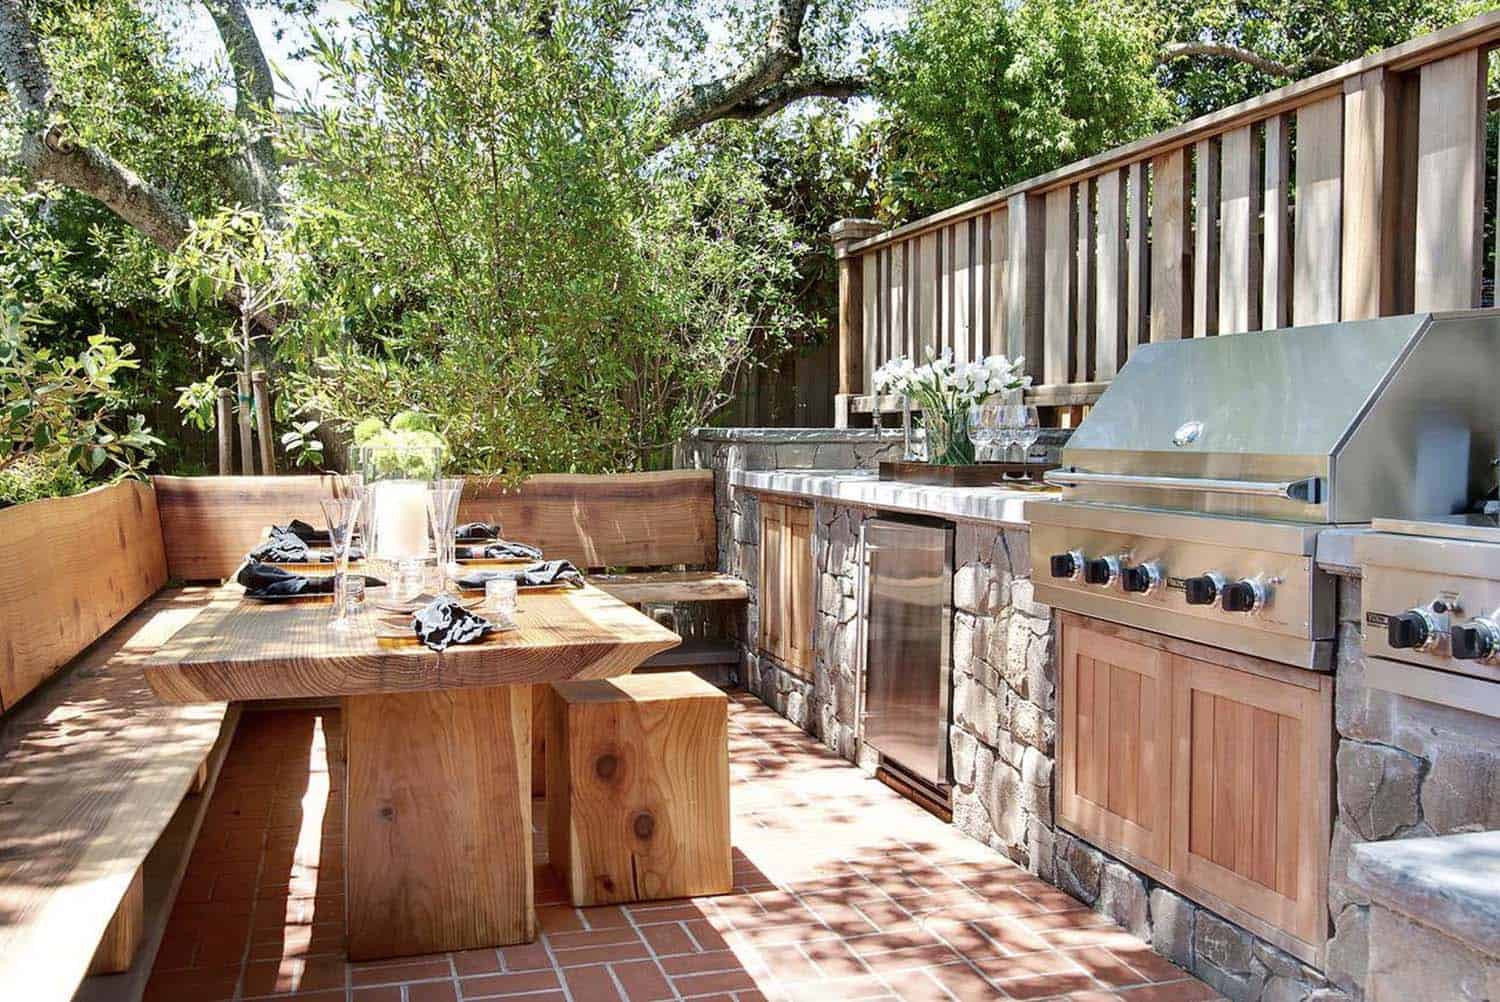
[(438, 821)]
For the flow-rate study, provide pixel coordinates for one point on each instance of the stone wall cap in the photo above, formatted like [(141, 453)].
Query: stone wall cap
[(863, 489), (793, 436), (1450, 883)]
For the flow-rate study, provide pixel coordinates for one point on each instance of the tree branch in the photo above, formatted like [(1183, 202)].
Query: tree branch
[(1188, 50), (254, 177), (49, 150), (699, 104), (778, 96)]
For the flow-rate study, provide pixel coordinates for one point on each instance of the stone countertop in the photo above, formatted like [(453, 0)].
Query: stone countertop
[(863, 488), (1447, 883), (1000, 505)]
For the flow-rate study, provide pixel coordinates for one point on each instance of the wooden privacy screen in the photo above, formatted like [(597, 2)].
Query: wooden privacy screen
[(625, 520), (1352, 194), (70, 569)]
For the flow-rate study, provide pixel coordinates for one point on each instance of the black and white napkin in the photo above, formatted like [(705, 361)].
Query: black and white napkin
[(502, 549), (476, 532), (282, 546), (550, 572), (443, 622), (265, 580), (304, 532)]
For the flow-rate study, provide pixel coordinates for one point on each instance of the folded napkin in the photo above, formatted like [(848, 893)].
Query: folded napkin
[(502, 549), (304, 532), (263, 580), (443, 622), (536, 575), (473, 532), (283, 547)]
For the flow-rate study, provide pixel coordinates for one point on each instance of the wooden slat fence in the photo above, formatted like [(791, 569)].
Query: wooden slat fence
[(1355, 193)]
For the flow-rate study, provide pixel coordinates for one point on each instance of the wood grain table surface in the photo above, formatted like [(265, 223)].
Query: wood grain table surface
[(242, 649)]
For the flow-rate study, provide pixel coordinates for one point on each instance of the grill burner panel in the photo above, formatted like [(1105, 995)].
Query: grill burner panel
[(1431, 614), (1264, 569)]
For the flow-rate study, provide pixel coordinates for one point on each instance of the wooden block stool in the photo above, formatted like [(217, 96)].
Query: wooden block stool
[(638, 788)]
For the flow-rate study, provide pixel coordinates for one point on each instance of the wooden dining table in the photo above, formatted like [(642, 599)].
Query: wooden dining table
[(438, 837)]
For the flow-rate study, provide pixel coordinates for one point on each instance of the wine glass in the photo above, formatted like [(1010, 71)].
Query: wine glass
[(1007, 428), (979, 431), (342, 514), (1028, 428), (442, 512)]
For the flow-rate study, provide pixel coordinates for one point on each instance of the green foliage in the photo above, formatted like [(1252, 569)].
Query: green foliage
[(303, 445), (508, 258), (62, 408), (32, 478), (980, 94), (1304, 35)]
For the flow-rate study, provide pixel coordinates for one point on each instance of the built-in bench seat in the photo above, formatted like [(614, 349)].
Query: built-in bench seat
[(96, 816), (658, 527)]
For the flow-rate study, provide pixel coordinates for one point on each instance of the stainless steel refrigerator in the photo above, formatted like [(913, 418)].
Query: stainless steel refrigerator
[(908, 599)]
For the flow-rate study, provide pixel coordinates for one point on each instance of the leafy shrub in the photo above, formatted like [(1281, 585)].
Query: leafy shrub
[(32, 478)]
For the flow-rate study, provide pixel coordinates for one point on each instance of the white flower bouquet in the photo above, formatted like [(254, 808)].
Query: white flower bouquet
[(946, 390)]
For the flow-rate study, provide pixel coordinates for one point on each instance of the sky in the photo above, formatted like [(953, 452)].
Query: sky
[(282, 37)]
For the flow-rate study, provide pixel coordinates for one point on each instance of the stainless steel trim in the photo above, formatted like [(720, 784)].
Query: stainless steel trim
[(908, 640), (1308, 490), (1433, 686), (1290, 649), (1294, 538)]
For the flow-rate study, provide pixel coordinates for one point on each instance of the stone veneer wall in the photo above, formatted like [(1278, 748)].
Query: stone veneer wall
[(1404, 768)]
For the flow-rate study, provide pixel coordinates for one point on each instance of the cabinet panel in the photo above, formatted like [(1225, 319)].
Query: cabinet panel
[(799, 589), (1251, 779), (1115, 743), (786, 585)]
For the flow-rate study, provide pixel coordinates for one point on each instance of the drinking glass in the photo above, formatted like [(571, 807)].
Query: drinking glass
[(1028, 428), (442, 513), (979, 432), (1006, 421), (501, 596), (342, 514)]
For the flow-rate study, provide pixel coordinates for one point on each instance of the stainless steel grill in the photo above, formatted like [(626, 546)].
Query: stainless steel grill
[(1195, 489)]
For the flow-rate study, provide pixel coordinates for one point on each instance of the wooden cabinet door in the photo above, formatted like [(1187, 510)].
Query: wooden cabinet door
[(799, 590), (772, 585), (1251, 777), (1115, 741)]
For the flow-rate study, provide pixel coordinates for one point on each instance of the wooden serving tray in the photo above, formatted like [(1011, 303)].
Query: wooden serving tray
[(973, 475)]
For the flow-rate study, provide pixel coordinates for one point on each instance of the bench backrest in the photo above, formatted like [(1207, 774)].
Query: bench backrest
[(70, 569), (626, 520)]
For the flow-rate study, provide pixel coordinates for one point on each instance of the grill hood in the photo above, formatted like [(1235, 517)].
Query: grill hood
[(1338, 422)]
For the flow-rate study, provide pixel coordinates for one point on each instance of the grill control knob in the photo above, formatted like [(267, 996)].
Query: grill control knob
[(1476, 640), (1067, 565), (1203, 589), (1101, 570), (1411, 630), (1142, 578), (1247, 595)]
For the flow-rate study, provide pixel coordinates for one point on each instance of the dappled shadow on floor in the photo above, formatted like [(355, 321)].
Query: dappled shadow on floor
[(842, 891)]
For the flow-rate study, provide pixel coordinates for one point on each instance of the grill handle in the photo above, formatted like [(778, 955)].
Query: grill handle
[(1308, 490)]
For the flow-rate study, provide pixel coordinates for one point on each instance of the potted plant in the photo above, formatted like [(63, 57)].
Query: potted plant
[(945, 390)]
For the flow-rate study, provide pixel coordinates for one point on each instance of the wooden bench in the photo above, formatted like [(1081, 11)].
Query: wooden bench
[(638, 781), (102, 786)]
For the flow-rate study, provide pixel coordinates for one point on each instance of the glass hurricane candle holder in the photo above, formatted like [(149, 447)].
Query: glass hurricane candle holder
[(397, 480)]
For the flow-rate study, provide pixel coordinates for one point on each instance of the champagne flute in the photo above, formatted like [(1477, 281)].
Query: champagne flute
[(342, 514)]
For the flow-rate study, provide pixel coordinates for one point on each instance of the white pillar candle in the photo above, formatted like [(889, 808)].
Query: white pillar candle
[(400, 520)]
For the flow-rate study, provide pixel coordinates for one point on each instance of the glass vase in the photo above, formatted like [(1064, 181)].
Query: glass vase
[(948, 442)]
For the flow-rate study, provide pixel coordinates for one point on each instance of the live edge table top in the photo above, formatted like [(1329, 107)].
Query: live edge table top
[(240, 649)]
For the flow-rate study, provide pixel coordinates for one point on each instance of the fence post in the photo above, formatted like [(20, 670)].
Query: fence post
[(851, 312), (247, 440), (225, 405), (1025, 284), (263, 422)]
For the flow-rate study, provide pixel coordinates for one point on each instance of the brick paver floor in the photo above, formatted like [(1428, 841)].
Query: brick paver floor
[(843, 891)]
